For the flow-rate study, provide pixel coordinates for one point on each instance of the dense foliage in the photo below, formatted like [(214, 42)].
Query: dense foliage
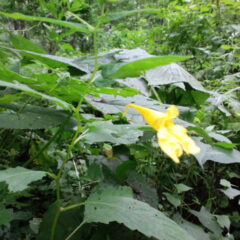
[(74, 163)]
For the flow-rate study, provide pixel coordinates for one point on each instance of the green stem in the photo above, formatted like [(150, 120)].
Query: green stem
[(156, 94), (78, 131), (75, 230)]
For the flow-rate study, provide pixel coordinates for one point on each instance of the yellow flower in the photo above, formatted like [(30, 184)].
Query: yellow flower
[(172, 139)]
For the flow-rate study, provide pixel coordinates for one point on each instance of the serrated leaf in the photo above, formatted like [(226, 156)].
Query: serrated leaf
[(18, 178), (33, 117), (72, 25), (107, 132), (117, 205)]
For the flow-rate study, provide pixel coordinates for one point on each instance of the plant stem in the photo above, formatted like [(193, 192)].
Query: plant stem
[(156, 94), (75, 230), (79, 129)]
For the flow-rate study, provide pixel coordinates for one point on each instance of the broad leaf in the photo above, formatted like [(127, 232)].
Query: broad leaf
[(208, 220), (143, 188), (33, 117), (52, 60), (109, 104), (136, 68), (231, 193), (32, 92), (18, 178), (72, 25), (172, 73), (107, 132), (216, 154), (196, 231), (118, 205)]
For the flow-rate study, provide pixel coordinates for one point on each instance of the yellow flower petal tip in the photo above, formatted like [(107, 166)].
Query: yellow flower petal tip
[(172, 139)]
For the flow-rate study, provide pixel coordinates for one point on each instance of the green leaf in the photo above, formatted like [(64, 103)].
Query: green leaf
[(21, 42), (170, 74), (107, 132), (66, 223), (118, 205), (18, 178), (109, 104), (112, 16), (196, 231), (52, 60), (223, 221), (6, 216), (208, 220), (225, 145), (231, 193), (143, 188), (173, 199), (33, 117), (32, 92), (182, 188), (216, 154), (136, 68), (72, 25)]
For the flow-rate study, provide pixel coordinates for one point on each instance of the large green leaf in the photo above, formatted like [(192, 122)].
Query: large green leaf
[(216, 154), (208, 220), (73, 25), (107, 132), (137, 67), (18, 178), (33, 117), (196, 231), (118, 205), (109, 104), (52, 60), (170, 74), (32, 92)]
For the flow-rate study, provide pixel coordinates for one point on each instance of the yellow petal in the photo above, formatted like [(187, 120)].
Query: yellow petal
[(187, 143), (169, 144), (151, 116), (189, 146), (172, 112)]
